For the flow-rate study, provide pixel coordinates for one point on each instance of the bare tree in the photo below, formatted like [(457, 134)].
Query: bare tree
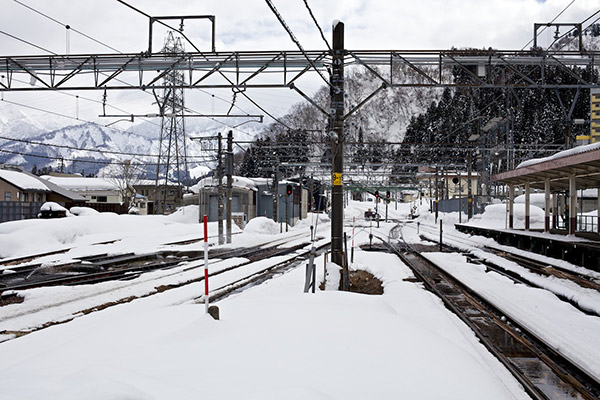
[(125, 176)]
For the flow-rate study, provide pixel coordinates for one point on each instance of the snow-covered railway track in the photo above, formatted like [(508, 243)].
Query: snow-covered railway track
[(48, 306), (543, 371), (103, 267)]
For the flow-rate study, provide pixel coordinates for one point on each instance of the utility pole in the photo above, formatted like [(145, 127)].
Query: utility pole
[(469, 188), (220, 187), (276, 191), (229, 172), (337, 145), (437, 197)]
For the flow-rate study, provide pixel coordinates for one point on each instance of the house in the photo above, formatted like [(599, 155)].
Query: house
[(292, 200), (251, 197), (243, 199), (22, 194), (100, 194), (159, 200), (450, 183)]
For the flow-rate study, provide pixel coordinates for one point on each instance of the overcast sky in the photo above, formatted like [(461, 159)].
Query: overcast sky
[(250, 25)]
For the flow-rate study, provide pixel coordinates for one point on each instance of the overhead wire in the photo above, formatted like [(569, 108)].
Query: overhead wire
[(219, 71), (317, 24), (563, 45), (78, 160), (546, 27), (66, 26), (126, 83), (27, 42), (295, 40)]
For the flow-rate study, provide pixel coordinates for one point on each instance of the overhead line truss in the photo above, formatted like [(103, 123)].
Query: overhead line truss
[(277, 69)]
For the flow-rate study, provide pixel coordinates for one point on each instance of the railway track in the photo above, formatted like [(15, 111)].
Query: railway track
[(102, 267), (534, 273), (236, 269), (543, 372)]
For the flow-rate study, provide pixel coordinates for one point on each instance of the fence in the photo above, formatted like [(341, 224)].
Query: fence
[(587, 223), (15, 210), (462, 204)]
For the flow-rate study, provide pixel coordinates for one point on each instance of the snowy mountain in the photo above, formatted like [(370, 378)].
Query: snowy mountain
[(87, 148)]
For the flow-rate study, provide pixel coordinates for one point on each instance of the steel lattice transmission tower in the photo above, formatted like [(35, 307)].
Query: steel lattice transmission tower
[(172, 160)]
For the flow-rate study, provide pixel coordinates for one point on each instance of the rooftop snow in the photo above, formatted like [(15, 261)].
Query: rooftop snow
[(561, 154), (81, 184), (22, 180)]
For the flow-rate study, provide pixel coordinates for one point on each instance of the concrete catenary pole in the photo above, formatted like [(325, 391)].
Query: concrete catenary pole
[(337, 146), (220, 188), (229, 173)]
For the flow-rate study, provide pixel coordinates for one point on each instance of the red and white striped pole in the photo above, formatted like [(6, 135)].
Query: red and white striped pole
[(206, 297), (352, 248)]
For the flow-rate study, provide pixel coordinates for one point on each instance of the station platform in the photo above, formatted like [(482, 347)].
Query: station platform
[(582, 249)]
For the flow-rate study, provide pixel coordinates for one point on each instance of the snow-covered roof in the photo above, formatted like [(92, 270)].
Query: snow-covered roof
[(561, 154), (238, 182), (23, 181), (78, 184)]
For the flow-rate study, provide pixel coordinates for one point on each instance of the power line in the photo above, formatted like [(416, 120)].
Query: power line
[(111, 162), (317, 24), (91, 38), (60, 146), (66, 26), (126, 83), (546, 27), (574, 28), (291, 34), (29, 43)]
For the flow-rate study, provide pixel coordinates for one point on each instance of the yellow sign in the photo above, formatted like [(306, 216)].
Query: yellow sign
[(337, 179)]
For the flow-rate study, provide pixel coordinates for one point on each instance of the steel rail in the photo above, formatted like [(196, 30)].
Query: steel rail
[(456, 296)]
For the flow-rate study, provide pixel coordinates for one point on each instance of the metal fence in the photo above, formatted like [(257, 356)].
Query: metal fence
[(462, 204), (15, 211), (587, 223)]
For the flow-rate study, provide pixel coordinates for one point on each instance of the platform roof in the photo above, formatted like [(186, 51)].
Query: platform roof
[(582, 162)]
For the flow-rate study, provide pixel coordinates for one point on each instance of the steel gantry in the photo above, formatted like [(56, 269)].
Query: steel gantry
[(242, 70), (247, 69)]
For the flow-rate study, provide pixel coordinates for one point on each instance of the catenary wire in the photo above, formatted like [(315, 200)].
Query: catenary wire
[(295, 40), (317, 24), (66, 26), (126, 83), (546, 27), (29, 43), (78, 160)]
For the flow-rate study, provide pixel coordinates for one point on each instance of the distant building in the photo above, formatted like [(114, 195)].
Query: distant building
[(100, 194), (450, 183), (243, 199), (159, 201), (251, 197)]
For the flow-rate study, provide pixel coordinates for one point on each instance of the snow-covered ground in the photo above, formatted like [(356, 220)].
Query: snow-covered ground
[(273, 341)]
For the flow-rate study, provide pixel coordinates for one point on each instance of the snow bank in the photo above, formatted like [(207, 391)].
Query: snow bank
[(495, 216), (272, 342), (26, 237), (262, 225), (83, 211)]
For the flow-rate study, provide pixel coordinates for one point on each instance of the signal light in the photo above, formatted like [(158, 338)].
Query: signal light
[(289, 189)]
